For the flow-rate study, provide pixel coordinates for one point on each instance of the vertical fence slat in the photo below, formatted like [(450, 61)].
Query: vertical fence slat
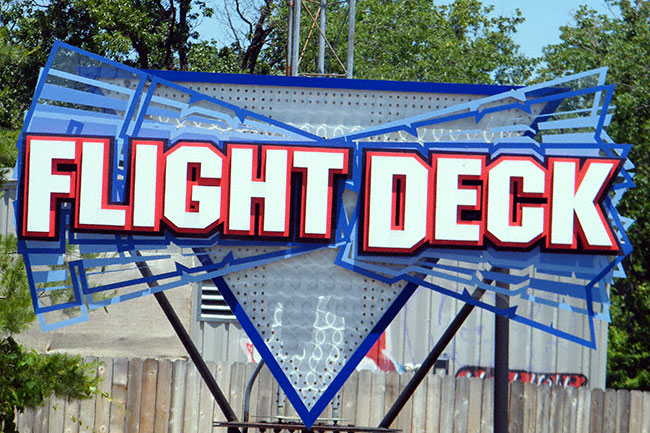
[(487, 408), (447, 404), (349, 398), (622, 411), (530, 406), (191, 409), (543, 412), (584, 410), (41, 418), (557, 408), (609, 412), (461, 404), (222, 376), (418, 420), (645, 426), (596, 417), (133, 395), (392, 391), (434, 389), (148, 396), (265, 395), (570, 410), (177, 404), (377, 402), (163, 396), (70, 421), (516, 407), (363, 400), (474, 406), (56, 413), (636, 409), (103, 405), (403, 420), (206, 403)]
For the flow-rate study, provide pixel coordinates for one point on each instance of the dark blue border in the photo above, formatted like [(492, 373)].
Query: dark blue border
[(330, 83)]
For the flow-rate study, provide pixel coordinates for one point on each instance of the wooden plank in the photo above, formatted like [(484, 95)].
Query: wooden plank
[(70, 424), (177, 403), (25, 420), (596, 416), (391, 386), (148, 395), (609, 412), (636, 411), (419, 404), (191, 409), (349, 398), (56, 415), (557, 408), (119, 393), (543, 414), (133, 395), (434, 389), (86, 418), (41, 417), (377, 402), (474, 406), (584, 410), (103, 404), (447, 404), (645, 422), (265, 395), (622, 411), (403, 420), (570, 410), (163, 396), (516, 407), (206, 403), (238, 387), (363, 402), (530, 407), (487, 409), (461, 405), (222, 377)]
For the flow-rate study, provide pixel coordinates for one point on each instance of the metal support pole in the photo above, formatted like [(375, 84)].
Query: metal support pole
[(187, 342), (295, 43), (501, 366), (290, 39), (430, 361), (321, 36), (247, 394), (352, 12)]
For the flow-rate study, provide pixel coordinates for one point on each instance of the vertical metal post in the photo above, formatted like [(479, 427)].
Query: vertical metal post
[(321, 36), (352, 12), (290, 38), (295, 43), (501, 366)]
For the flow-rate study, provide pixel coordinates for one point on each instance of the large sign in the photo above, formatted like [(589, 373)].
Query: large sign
[(317, 226)]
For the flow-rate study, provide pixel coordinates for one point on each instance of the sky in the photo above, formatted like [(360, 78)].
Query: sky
[(543, 19), (542, 25)]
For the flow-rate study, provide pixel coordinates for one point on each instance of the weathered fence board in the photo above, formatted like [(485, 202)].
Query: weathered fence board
[(161, 396)]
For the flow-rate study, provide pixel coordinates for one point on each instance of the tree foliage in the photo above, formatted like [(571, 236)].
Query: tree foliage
[(622, 44)]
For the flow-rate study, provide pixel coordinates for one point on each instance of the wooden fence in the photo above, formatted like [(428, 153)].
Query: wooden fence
[(164, 396)]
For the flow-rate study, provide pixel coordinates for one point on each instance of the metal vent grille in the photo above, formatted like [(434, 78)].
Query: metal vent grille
[(213, 306)]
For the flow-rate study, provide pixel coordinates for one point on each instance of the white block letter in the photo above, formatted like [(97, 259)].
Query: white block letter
[(500, 203), (380, 203)]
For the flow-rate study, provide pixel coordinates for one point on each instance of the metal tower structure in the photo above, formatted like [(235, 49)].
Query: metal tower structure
[(318, 23)]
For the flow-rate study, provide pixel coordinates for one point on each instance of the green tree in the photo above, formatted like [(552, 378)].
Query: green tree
[(623, 44)]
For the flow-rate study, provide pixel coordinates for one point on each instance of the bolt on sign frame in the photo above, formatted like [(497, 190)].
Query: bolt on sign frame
[(318, 206)]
